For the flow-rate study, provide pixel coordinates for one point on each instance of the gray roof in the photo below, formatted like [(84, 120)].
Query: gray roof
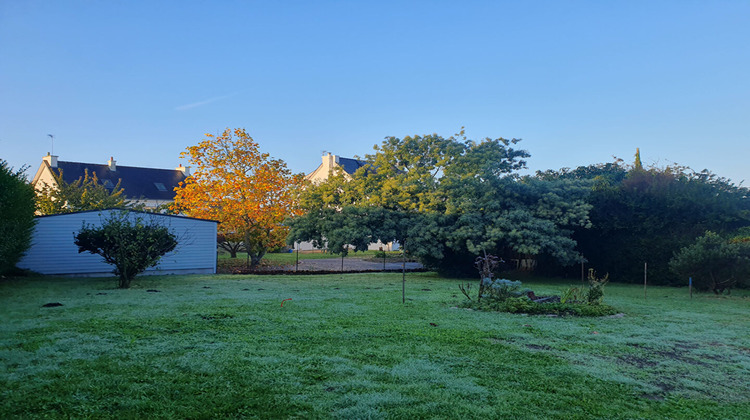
[(137, 182), (351, 165)]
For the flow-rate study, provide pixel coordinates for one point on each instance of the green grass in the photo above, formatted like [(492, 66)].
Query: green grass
[(345, 347), (226, 264), (290, 258)]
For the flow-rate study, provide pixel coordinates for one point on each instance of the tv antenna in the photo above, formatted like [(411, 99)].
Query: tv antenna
[(53, 143)]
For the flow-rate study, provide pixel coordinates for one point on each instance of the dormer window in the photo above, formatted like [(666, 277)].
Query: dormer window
[(108, 184), (159, 186)]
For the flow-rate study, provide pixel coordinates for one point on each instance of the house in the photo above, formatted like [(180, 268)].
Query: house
[(330, 164), (53, 251), (148, 186)]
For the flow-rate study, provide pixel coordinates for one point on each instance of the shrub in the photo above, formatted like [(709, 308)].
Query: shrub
[(505, 295), (572, 295), (524, 305), (129, 243), (595, 294), (16, 216), (502, 289), (714, 263)]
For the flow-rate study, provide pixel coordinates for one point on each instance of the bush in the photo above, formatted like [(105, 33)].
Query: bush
[(572, 295), (128, 243), (595, 294), (505, 295), (714, 263), (502, 289), (16, 216), (524, 305)]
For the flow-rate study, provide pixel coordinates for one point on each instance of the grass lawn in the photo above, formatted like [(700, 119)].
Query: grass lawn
[(345, 347), (226, 264)]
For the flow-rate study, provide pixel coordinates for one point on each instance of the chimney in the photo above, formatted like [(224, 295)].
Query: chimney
[(112, 164), (51, 159), (329, 160), (184, 169)]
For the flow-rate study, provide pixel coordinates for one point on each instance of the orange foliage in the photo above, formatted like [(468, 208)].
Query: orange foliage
[(247, 191)]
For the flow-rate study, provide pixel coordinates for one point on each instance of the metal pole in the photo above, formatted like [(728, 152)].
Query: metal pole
[(690, 284), (582, 282), (403, 274), (645, 277), (296, 264)]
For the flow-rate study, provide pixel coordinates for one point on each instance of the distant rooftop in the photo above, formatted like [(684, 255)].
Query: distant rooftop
[(149, 183)]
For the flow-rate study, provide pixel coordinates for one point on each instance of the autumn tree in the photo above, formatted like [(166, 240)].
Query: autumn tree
[(85, 193), (246, 190)]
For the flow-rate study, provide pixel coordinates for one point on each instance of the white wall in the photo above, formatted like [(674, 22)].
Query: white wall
[(53, 251)]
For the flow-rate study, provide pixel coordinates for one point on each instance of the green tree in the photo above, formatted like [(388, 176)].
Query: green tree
[(715, 263), (446, 200), (85, 193), (128, 242), (646, 214), (16, 216)]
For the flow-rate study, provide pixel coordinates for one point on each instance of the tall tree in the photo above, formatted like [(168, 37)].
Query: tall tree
[(16, 216), (246, 190), (85, 193), (646, 214), (447, 200)]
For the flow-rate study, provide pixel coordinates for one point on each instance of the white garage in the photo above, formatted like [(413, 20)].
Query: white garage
[(53, 251)]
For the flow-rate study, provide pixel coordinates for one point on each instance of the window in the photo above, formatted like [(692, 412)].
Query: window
[(159, 186)]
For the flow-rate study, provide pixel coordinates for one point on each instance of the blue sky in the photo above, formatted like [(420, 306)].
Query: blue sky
[(578, 81)]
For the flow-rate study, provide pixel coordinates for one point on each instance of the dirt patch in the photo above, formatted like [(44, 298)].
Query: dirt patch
[(686, 345), (679, 356), (637, 361), (538, 347), (653, 397)]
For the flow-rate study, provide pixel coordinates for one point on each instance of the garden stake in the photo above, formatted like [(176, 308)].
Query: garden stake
[(296, 264), (582, 270), (403, 274), (645, 275), (690, 285)]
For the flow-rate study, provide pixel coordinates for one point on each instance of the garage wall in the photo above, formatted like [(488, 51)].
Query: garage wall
[(53, 251)]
